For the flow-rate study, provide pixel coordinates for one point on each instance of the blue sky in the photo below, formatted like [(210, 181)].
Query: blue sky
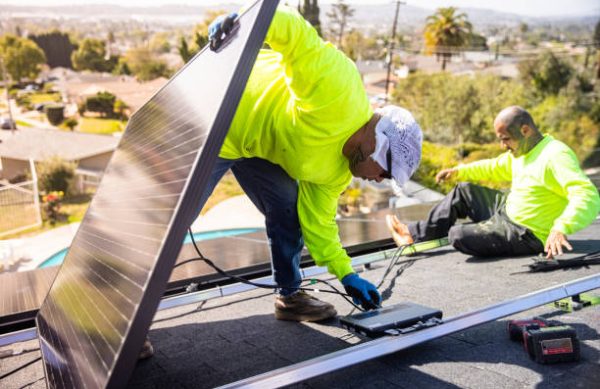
[(523, 7)]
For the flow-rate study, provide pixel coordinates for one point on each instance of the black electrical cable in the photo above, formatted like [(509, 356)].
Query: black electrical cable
[(222, 272), (393, 262), (3, 376)]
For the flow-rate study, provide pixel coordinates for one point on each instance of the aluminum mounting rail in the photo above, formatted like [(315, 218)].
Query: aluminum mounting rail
[(390, 344), (196, 297), (227, 290)]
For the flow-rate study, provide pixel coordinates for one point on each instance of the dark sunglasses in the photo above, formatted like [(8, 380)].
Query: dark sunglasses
[(388, 174)]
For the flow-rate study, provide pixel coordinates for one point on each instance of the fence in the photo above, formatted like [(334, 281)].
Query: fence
[(19, 206)]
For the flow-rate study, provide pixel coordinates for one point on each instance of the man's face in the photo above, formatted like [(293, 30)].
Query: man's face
[(368, 170), (515, 143)]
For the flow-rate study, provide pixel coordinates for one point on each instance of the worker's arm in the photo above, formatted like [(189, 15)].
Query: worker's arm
[(324, 82), (497, 169), (317, 206), (583, 200)]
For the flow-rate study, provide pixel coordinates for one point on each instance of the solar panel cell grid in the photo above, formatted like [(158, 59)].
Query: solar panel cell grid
[(96, 314)]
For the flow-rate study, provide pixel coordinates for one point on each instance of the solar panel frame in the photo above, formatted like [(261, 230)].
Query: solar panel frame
[(86, 348)]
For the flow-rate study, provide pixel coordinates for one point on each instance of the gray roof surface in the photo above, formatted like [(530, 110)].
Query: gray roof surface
[(40, 144), (231, 338)]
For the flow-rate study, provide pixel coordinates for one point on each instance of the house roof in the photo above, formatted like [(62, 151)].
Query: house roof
[(211, 343), (40, 144)]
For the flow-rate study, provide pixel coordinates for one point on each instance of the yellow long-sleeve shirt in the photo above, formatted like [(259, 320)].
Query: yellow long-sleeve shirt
[(303, 100), (548, 192)]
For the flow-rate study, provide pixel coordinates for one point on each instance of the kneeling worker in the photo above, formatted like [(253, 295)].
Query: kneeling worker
[(550, 197)]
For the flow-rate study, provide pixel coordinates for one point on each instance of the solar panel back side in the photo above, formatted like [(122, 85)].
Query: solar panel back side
[(93, 322)]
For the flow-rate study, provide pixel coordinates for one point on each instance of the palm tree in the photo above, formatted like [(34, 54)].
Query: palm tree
[(445, 32)]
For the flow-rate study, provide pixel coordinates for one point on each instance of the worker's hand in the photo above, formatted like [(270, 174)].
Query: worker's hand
[(445, 174), (362, 291), (220, 27), (555, 243)]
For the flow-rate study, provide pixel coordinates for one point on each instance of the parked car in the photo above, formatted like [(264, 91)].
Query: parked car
[(7, 124)]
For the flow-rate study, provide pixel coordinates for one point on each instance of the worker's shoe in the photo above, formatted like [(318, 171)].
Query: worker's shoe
[(147, 350), (301, 306), (399, 231)]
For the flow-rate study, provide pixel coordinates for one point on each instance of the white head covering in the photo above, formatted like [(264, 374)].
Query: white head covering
[(398, 132)]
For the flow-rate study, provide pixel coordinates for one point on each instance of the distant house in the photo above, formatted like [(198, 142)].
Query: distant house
[(91, 153)]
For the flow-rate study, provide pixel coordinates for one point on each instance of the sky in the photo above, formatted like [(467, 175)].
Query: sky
[(522, 7)]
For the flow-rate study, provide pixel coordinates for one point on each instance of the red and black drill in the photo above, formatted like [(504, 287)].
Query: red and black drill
[(546, 341)]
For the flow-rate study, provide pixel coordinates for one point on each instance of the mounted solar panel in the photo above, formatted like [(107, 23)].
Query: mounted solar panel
[(93, 322)]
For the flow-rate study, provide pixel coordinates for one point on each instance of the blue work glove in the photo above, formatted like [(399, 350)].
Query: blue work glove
[(220, 27), (362, 291)]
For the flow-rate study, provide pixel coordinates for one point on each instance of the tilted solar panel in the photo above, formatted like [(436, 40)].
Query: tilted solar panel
[(93, 322)]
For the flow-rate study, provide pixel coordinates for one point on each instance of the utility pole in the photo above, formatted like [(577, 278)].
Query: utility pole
[(391, 52), (12, 123)]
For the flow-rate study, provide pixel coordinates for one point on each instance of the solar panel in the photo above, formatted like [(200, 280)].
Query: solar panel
[(93, 322)]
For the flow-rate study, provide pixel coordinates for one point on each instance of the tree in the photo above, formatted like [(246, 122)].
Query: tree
[(450, 108), (310, 10), (478, 42), (122, 68), (91, 55), (200, 37), (144, 64), (446, 32), (57, 47), (110, 40), (523, 28), (159, 42), (184, 50), (597, 45), (597, 35), (339, 15), (103, 103), (22, 57), (55, 174), (547, 74), (120, 108)]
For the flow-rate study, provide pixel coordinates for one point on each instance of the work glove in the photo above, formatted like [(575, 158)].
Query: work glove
[(362, 291), (219, 28)]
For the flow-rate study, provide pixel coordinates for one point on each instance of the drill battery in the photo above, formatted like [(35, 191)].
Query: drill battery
[(517, 327), (552, 344)]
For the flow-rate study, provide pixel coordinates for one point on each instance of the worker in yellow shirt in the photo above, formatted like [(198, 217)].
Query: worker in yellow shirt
[(302, 129), (550, 197)]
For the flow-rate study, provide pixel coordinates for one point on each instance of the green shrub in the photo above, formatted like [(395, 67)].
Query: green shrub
[(103, 103), (70, 123), (453, 109), (23, 100), (436, 157), (55, 175), (55, 113)]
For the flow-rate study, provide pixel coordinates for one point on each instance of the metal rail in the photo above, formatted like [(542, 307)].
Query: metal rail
[(204, 295), (387, 345)]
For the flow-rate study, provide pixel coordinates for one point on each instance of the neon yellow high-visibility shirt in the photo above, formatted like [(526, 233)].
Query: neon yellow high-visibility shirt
[(548, 192), (303, 100)]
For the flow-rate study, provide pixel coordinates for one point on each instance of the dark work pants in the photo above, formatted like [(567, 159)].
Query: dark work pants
[(275, 194), (491, 234)]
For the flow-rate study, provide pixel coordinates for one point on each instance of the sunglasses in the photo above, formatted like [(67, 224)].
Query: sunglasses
[(388, 174)]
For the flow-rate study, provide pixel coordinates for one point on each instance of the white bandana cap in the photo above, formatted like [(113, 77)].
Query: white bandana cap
[(399, 137)]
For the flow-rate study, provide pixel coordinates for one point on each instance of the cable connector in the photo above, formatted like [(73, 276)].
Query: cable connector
[(193, 287)]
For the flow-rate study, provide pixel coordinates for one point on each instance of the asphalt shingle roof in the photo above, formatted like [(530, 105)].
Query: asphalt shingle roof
[(40, 144), (231, 338)]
